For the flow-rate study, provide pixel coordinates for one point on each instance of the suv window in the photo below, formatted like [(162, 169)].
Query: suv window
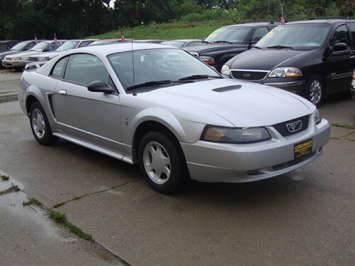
[(352, 32), (229, 34), (259, 33)]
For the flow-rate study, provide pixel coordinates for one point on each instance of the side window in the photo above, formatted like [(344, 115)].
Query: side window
[(351, 26), (85, 68), (30, 45), (84, 43), (194, 43), (59, 68), (259, 33), (341, 35)]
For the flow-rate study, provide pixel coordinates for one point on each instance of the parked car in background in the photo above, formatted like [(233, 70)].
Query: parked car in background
[(39, 59), (20, 47), (226, 42), (181, 43), (7, 45), (352, 87), (312, 58), (19, 60), (162, 108)]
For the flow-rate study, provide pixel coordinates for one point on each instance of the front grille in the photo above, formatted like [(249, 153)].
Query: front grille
[(34, 59), (248, 74), (292, 126)]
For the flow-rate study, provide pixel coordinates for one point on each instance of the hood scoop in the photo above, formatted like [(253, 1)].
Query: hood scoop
[(228, 88)]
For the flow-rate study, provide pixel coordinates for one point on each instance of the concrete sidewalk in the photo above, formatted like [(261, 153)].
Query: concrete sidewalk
[(27, 235)]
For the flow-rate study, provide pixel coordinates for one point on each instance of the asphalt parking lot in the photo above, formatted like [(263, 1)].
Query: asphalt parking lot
[(305, 217)]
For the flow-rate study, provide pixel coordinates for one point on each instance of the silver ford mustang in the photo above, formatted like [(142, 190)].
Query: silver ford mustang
[(161, 108)]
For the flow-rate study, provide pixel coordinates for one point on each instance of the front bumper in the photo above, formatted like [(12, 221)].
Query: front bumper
[(352, 91), (213, 162), (291, 86), (14, 63)]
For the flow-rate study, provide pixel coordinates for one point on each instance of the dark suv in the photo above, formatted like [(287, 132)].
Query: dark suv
[(312, 58), (226, 42)]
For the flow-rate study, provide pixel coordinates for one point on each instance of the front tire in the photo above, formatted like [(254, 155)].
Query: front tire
[(40, 125), (314, 90), (161, 163)]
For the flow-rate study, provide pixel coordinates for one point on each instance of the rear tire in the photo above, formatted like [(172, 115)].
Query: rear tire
[(40, 125), (161, 163), (314, 90)]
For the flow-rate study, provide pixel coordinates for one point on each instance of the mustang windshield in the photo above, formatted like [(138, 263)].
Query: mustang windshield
[(143, 68), (296, 36)]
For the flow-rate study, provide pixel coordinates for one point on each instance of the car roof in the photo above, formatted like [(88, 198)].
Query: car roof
[(252, 24), (320, 21), (117, 47), (183, 40)]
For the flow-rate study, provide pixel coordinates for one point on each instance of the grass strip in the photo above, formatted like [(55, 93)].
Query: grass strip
[(60, 218)]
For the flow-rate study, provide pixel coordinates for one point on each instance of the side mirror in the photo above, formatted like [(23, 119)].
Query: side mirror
[(340, 46), (99, 86)]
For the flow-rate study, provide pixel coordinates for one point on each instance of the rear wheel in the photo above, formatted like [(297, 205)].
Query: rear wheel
[(40, 125), (314, 90), (161, 163)]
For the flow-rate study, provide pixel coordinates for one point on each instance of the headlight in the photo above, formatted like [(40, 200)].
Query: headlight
[(208, 60), (235, 135), (285, 72), (225, 70), (317, 117)]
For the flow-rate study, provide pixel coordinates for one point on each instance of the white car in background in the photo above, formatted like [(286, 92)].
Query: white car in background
[(37, 60), (160, 107), (19, 60)]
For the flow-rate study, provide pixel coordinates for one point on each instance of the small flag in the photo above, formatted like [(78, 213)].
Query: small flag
[(55, 38), (282, 20), (122, 37), (36, 39)]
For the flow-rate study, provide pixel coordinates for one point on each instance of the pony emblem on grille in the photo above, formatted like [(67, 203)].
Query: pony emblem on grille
[(294, 126)]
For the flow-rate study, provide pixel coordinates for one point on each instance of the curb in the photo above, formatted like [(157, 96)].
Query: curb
[(8, 97)]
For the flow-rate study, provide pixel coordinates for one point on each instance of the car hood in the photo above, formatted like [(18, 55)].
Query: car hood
[(46, 54), (22, 54), (209, 48), (9, 53), (230, 102), (267, 59)]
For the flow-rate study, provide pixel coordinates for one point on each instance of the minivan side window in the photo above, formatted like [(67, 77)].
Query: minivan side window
[(341, 35), (351, 26)]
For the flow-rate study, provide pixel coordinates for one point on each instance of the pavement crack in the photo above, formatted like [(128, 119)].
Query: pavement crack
[(93, 193)]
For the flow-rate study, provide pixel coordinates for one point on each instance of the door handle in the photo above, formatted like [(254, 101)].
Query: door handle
[(63, 92)]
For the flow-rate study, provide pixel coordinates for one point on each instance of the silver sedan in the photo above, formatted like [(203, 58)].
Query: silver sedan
[(176, 117)]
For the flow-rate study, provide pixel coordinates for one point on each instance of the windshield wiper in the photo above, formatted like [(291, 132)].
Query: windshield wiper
[(280, 47), (148, 84), (192, 77), (222, 42)]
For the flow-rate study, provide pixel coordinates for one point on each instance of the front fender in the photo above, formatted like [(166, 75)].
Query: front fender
[(183, 129)]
